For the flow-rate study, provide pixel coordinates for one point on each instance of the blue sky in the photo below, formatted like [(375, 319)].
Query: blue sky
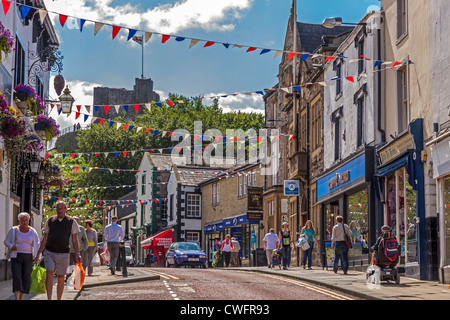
[(98, 60)]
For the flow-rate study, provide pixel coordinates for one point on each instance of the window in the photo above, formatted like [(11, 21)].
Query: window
[(274, 163), (171, 203), (143, 184), (361, 61), (336, 118), (446, 201), (240, 186), (401, 18), (164, 209), (193, 206), (359, 121), (316, 116), (19, 69), (192, 236), (338, 69), (215, 195), (40, 87), (402, 99), (303, 131)]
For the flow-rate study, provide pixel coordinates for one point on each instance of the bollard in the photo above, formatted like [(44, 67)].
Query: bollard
[(160, 262), (124, 258)]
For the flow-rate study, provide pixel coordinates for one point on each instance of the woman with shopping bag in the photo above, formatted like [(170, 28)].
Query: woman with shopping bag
[(91, 252), (23, 243)]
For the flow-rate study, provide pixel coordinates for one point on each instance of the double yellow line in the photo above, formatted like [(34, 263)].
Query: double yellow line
[(307, 286)]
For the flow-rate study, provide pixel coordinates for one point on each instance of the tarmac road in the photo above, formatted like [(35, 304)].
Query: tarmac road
[(213, 284)]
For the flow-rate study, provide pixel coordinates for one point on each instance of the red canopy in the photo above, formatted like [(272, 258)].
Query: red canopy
[(159, 240)]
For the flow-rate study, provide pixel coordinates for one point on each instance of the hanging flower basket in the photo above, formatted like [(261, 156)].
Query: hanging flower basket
[(25, 96), (48, 126), (6, 42), (14, 134)]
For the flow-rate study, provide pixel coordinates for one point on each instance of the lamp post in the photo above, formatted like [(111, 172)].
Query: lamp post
[(337, 22), (66, 101)]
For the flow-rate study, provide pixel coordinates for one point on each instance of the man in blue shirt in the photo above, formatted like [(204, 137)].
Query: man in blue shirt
[(113, 234)]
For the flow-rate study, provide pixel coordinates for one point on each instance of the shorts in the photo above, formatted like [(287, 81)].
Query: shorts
[(60, 261)]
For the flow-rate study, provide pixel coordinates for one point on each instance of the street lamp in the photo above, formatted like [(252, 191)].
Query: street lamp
[(66, 101), (35, 164), (42, 174), (337, 22)]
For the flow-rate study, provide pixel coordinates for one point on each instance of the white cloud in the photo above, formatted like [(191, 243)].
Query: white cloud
[(210, 15)]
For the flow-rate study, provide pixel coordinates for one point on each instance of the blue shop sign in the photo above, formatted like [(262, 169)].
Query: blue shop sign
[(341, 177), (214, 227), (235, 221)]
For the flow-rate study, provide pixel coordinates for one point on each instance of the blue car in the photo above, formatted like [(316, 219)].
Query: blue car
[(185, 254)]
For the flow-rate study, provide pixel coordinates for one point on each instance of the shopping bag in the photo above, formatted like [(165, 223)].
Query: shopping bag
[(95, 262), (105, 256), (79, 275), (38, 278)]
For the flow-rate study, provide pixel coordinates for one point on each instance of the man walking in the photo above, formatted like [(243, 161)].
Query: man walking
[(58, 231), (270, 243), (338, 241), (113, 234)]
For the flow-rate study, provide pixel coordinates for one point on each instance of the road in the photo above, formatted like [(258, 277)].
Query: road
[(213, 284)]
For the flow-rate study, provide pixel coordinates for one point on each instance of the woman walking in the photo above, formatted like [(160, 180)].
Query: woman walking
[(92, 247), (308, 231), (227, 247), (286, 245), (23, 241)]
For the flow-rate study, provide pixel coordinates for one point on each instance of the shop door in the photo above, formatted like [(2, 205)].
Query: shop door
[(331, 212)]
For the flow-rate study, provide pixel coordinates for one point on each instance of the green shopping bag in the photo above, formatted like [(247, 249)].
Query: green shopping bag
[(38, 278)]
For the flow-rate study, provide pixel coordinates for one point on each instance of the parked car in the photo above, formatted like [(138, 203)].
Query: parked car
[(129, 255), (185, 254)]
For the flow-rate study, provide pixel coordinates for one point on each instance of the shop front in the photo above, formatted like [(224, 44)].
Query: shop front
[(245, 231), (346, 190), (400, 188), (440, 153)]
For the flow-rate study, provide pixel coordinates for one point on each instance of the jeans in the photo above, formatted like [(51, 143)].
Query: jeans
[(286, 253), (340, 253), (21, 267), (308, 254), (113, 248)]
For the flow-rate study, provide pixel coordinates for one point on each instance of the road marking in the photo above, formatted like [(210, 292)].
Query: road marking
[(307, 286), (165, 275)]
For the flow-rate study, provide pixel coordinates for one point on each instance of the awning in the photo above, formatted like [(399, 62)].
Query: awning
[(161, 239), (384, 171)]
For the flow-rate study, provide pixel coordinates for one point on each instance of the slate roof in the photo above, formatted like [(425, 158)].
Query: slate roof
[(193, 175), (311, 34)]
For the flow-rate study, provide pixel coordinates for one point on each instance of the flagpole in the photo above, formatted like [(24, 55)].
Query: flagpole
[(142, 75)]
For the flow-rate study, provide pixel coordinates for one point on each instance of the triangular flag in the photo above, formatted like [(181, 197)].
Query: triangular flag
[(297, 88), (106, 109), (136, 108), (193, 43), (117, 107), (24, 11), (115, 31), (97, 27), (6, 5), (125, 127), (304, 57), (131, 34), (62, 19), (264, 51), (77, 114), (101, 121), (277, 53), (377, 63), (125, 107), (42, 14), (208, 44), (291, 55), (125, 153), (329, 58), (250, 49), (350, 79), (165, 37), (396, 64), (148, 35), (170, 103), (81, 23), (179, 39)]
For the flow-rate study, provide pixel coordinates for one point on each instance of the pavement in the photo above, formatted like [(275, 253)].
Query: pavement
[(354, 283)]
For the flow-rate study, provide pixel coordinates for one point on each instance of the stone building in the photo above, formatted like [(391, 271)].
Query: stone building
[(142, 93)]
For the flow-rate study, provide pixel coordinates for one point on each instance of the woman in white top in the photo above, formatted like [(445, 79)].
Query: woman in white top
[(23, 241)]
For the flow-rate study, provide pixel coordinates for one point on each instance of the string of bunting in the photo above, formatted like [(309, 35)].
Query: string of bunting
[(146, 35)]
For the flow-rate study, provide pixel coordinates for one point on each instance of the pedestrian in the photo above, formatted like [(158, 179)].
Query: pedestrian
[(23, 241), (270, 244), (92, 238), (308, 231), (227, 247), (338, 243), (58, 231), (113, 234), (82, 246), (384, 229), (235, 261), (285, 245)]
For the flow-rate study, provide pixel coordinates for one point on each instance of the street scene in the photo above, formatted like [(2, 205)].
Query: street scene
[(229, 157)]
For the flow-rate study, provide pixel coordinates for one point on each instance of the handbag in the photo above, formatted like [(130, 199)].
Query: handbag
[(347, 239), (79, 276), (9, 251), (38, 278)]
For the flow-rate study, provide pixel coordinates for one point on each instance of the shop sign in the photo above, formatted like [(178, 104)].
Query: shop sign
[(291, 188), (396, 148), (255, 215), (255, 199), (339, 179)]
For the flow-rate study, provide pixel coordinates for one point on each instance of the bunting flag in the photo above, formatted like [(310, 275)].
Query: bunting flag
[(97, 27), (6, 4), (62, 19), (131, 34), (115, 31), (165, 38), (208, 44)]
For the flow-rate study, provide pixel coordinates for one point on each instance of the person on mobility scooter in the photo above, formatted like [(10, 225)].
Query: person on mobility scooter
[(386, 254)]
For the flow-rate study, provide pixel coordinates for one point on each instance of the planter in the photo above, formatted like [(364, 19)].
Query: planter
[(20, 95), (39, 128)]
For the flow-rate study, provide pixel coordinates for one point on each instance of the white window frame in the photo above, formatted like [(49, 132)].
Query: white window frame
[(190, 206)]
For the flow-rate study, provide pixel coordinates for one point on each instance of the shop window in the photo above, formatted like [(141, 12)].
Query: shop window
[(358, 221), (401, 214), (447, 219)]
